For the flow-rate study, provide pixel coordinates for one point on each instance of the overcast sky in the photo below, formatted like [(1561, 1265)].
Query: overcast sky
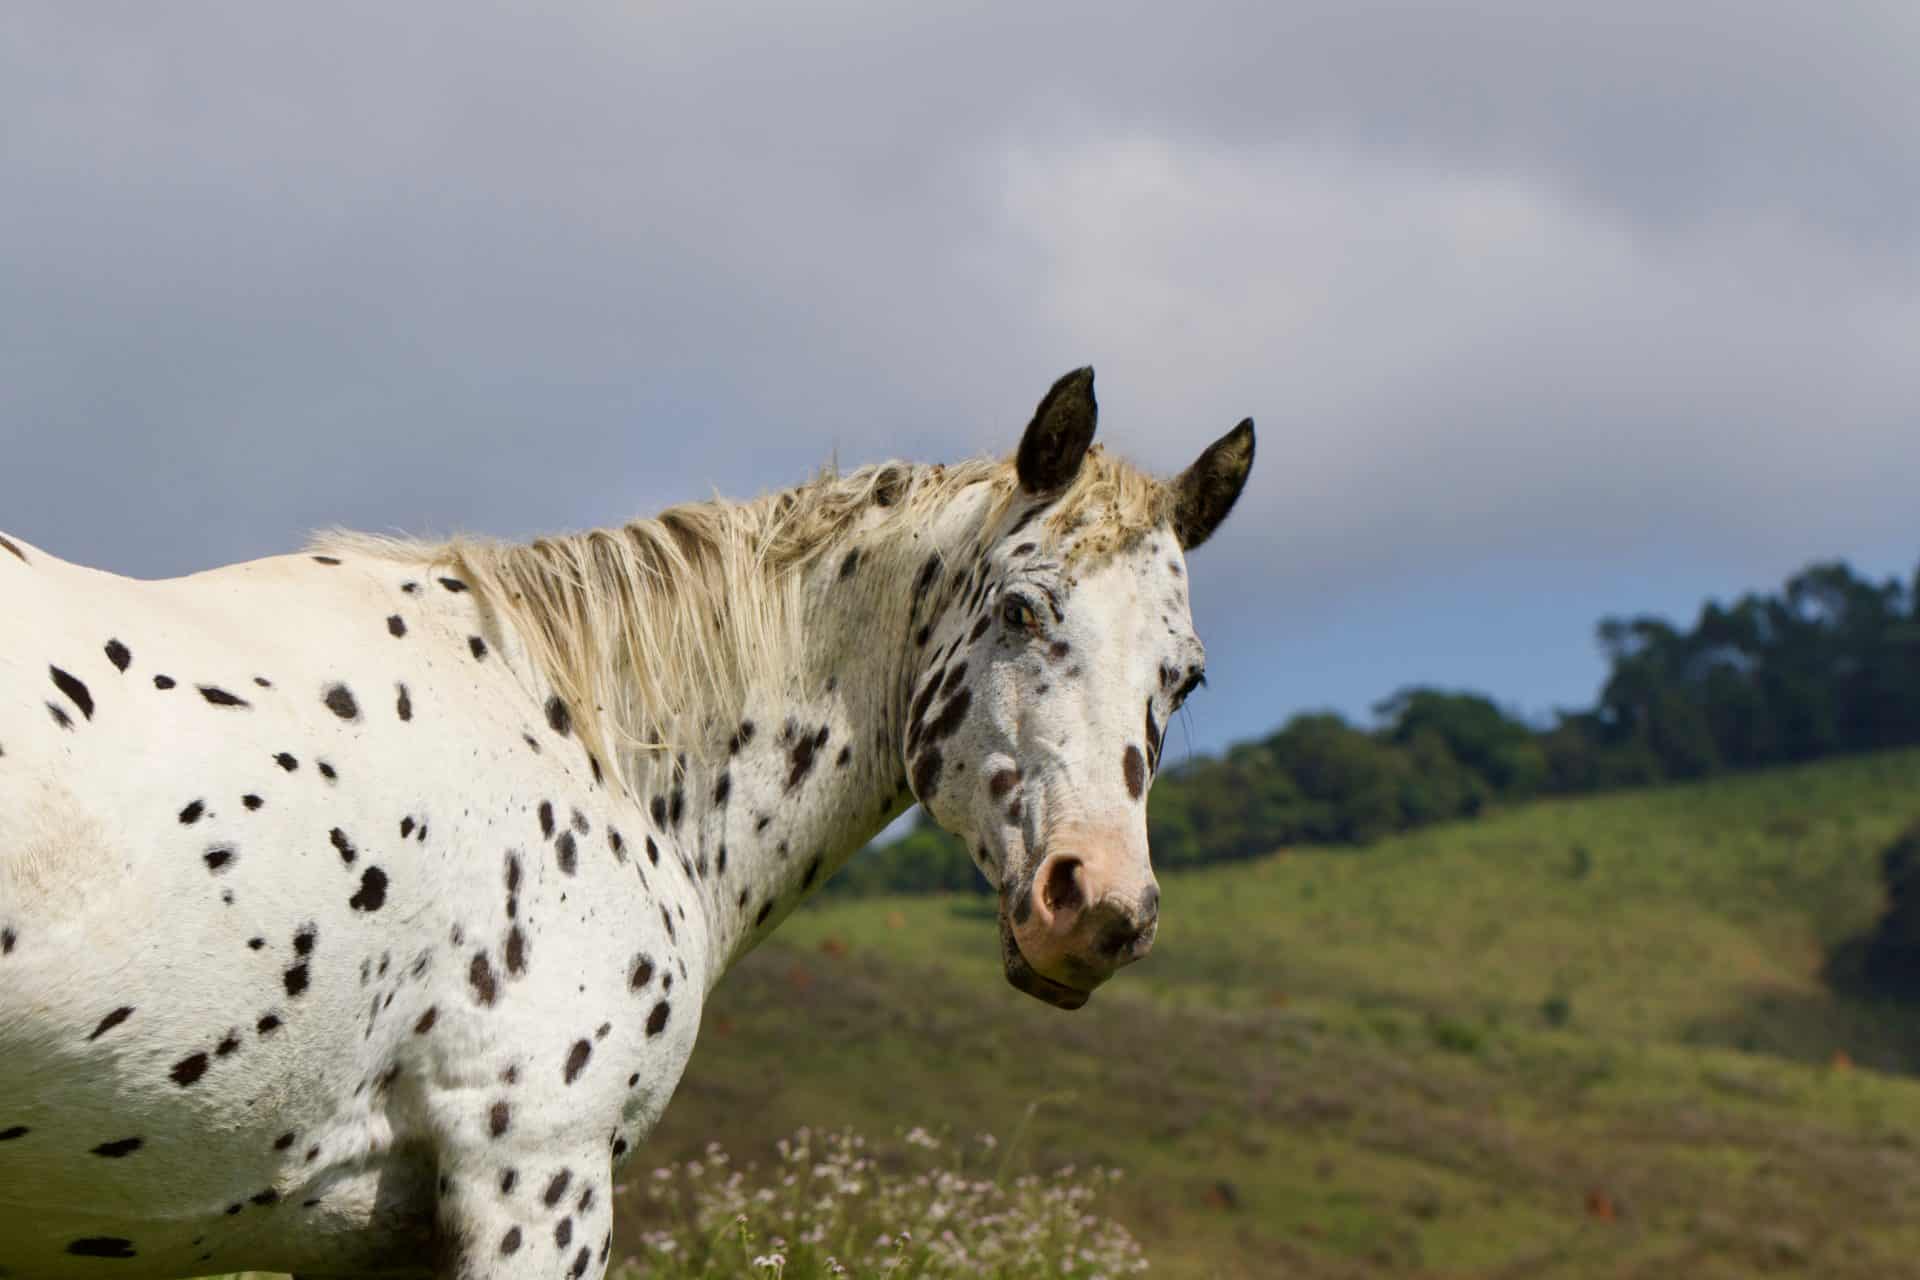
[(1545, 311)]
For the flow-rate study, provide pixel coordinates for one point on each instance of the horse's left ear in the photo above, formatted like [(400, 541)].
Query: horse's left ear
[(1057, 438), (1206, 491)]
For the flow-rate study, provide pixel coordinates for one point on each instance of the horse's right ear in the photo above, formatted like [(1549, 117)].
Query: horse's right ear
[(1057, 438)]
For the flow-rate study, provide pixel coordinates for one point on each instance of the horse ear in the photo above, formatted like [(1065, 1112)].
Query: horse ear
[(1206, 491), (1057, 438)]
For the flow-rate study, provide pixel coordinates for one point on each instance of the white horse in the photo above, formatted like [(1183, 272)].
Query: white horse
[(357, 907)]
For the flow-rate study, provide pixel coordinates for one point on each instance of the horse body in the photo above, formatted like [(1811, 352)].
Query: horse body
[(357, 908), (298, 896)]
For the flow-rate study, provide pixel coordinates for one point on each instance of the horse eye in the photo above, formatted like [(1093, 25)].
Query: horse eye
[(1018, 613), (1195, 681)]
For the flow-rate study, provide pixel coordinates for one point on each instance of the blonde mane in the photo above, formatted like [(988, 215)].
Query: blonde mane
[(644, 627)]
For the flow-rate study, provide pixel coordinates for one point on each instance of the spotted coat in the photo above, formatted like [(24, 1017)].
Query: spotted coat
[(327, 947)]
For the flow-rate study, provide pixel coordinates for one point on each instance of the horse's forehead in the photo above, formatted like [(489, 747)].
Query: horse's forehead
[(1127, 567)]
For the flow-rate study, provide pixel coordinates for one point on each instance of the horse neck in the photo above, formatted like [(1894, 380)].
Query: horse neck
[(770, 801)]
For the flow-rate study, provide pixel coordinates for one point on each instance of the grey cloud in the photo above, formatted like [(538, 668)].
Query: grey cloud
[(1499, 280)]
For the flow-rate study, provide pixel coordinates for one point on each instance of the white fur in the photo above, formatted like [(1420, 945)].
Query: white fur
[(111, 902)]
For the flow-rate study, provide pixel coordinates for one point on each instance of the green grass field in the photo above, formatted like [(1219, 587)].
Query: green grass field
[(1583, 1038)]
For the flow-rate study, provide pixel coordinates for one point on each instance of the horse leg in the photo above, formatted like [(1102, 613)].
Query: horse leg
[(526, 1216)]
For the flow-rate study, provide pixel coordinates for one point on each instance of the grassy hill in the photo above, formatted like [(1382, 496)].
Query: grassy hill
[(1588, 1037)]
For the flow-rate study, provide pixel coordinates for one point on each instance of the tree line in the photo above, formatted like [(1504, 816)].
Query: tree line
[(1829, 664)]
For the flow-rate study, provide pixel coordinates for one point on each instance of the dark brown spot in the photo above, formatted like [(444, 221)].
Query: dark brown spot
[(923, 582), (252, 801), (926, 773), (657, 1020), (115, 1150), (220, 697), (559, 717), (268, 1024), (516, 951), (556, 1187), (486, 988), (951, 716), (328, 560), (642, 973), (499, 1116), (284, 1141), (453, 584), (403, 703), (111, 1021), (163, 682), (189, 1069), (396, 626), (510, 1242), (217, 858), (1002, 782), (565, 852), (800, 761), (118, 655), (98, 1246), (343, 845), (192, 813), (373, 891), (286, 762), (339, 700), (426, 1020), (477, 647), (1134, 766), (576, 1060), (546, 820)]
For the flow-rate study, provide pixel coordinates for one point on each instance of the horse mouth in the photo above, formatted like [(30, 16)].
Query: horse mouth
[(1025, 978)]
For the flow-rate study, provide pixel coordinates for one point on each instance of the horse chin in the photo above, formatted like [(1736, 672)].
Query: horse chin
[(1025, 978)]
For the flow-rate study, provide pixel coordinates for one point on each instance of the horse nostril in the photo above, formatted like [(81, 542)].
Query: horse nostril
[(1061, 890), (1121, 939)]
